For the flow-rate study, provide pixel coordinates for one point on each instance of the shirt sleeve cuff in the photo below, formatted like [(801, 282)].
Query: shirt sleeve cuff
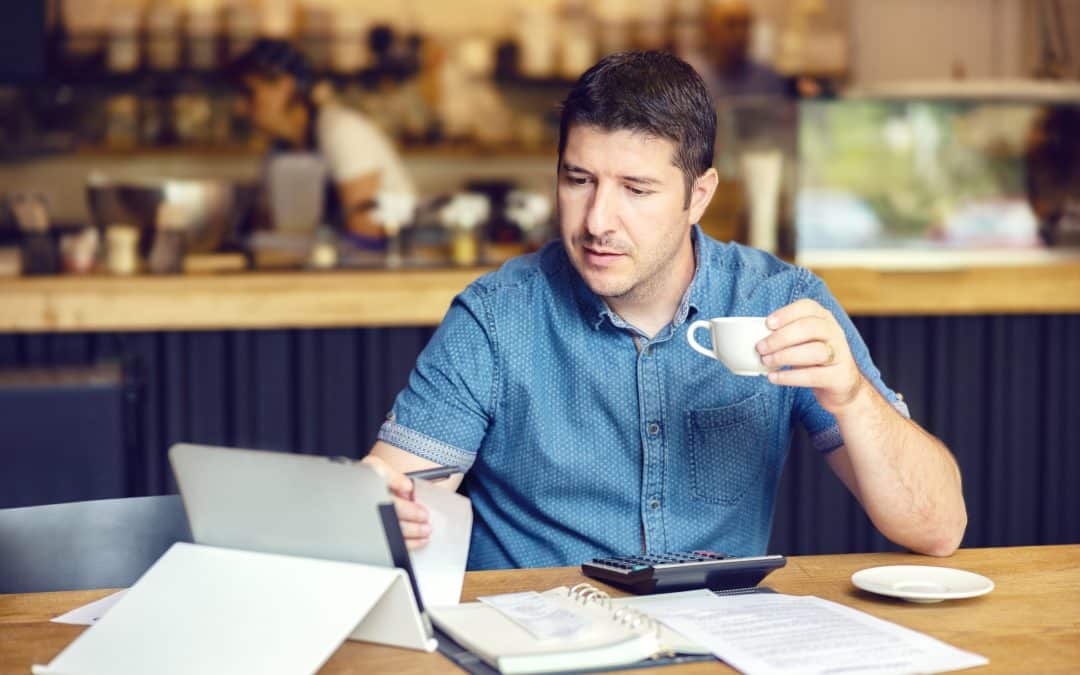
[(827, 440), (425, 446)]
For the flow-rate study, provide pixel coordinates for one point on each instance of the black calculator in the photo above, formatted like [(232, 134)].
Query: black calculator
[(669, 572)]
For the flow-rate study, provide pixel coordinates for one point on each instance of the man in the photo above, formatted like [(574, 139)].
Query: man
[(563, 383), (283, 103)]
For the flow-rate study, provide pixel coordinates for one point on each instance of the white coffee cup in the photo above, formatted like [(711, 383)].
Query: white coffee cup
[(734, 340)]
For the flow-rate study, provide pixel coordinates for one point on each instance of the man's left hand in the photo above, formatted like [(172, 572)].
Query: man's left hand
[(807, 337)]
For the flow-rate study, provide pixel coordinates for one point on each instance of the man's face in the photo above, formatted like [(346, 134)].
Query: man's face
[(267, 101), (621, 212)]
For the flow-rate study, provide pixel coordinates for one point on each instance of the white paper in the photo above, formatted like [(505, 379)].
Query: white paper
[(202, 609), (537, 614), (775, 634), (90, 613), (440, 566)]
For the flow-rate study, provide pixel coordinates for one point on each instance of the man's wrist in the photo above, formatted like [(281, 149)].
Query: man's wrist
[(863, 399)]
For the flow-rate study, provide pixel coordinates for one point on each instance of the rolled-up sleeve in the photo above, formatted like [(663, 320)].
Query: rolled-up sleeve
[(819, 423), (443, 413)]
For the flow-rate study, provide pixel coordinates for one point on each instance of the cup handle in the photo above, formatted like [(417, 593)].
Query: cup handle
[(694, 343)]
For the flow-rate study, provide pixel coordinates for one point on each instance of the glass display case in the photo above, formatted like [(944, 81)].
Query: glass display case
[(934, 176)]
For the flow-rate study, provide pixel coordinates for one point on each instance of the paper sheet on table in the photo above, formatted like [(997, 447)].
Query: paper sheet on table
[(440, 566), (88, 614), (780, 634), (201, 609)]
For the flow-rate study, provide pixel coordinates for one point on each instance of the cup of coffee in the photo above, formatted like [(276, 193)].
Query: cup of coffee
[(733, 342)]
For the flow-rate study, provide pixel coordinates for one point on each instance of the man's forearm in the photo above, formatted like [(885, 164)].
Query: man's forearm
[(906, 479)]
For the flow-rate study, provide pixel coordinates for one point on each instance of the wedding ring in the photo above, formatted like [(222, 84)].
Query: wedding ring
[(832, 354)]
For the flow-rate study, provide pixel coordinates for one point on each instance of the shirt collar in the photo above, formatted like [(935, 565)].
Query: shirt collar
[(595, 309)]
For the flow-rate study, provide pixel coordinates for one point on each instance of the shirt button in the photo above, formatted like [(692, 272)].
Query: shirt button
[(654, 503), (390, 416), (653, 428)]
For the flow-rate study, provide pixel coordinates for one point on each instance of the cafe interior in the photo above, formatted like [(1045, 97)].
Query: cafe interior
[(173, 272), (237, 224)]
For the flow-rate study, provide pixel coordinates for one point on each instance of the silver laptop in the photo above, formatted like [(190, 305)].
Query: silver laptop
[(303, 505)]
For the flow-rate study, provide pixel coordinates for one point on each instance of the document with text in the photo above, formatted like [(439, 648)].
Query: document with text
[(776, 634)]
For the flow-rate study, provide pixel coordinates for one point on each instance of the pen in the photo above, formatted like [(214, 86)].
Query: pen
[(436, 473)]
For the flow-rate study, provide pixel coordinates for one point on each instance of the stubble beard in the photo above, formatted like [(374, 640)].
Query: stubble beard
[(646, 276)]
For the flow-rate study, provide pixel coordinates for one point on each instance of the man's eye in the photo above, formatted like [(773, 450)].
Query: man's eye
[(636, 191), (578, 180)]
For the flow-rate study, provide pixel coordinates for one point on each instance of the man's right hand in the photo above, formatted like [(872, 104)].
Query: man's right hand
[(412, 515)]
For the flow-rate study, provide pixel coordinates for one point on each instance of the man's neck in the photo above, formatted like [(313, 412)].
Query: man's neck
[(650, 309)]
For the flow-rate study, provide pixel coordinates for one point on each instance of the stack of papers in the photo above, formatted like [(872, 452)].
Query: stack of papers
[(775, 634)]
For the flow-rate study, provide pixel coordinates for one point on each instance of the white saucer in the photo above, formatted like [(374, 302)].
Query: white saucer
[(922, 583)]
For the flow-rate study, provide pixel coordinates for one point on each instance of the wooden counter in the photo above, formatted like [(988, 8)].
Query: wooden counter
[(420, 297)]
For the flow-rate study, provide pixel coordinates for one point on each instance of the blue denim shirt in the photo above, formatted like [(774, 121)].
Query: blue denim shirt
[(580, 444)]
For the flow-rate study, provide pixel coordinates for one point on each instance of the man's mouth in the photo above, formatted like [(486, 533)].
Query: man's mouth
[(601, 257)]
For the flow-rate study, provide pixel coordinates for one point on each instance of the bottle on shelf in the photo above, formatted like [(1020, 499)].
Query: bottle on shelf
[(203, 34), (163, 39), (241, 28), (122, 43)]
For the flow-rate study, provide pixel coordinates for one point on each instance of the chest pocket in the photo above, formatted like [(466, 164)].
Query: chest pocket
[(728, 449)]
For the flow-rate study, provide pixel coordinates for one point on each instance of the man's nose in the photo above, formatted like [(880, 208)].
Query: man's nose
[(600, 218)]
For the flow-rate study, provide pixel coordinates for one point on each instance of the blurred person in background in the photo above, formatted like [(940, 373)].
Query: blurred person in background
[(1052, 163), (727, 68), (282, 101)]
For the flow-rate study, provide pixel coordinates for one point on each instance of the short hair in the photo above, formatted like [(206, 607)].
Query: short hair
[(269, 58), (650, 92)]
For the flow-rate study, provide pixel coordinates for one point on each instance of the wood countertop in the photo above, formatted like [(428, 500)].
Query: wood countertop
[(1029, 623), (420, 297)]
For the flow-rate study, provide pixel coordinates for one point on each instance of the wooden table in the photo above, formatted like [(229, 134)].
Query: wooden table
[(1030, 623)]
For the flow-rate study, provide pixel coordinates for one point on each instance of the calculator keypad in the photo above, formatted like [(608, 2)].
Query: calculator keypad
[(646, 560), (682, 570)]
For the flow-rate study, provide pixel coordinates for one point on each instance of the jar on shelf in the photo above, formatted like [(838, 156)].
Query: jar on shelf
[(122, 121), (462, 218), (122, 249), (122, 46), (537, 35), (202, 38), (163, 37), (464, 247), (241, 29), (394, 211), (348, 42)]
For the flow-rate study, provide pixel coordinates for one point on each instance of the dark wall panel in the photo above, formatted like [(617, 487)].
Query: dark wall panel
[(999, 390)]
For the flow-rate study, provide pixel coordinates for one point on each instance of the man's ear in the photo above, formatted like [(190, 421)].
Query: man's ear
[(702, 193)]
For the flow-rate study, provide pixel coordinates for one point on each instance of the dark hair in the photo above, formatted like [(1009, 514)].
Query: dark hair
[(269, 58), (651, 92)]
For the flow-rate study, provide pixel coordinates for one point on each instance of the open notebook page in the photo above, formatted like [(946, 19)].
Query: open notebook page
[(511, 648)]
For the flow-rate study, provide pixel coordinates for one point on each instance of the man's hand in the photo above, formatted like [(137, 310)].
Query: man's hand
[(412, 515), (807, 337)]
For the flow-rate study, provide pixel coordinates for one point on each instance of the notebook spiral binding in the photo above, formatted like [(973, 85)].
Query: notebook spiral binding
[(628, 616)]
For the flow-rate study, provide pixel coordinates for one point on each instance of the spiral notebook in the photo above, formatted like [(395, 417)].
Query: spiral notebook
[(560, 630)]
